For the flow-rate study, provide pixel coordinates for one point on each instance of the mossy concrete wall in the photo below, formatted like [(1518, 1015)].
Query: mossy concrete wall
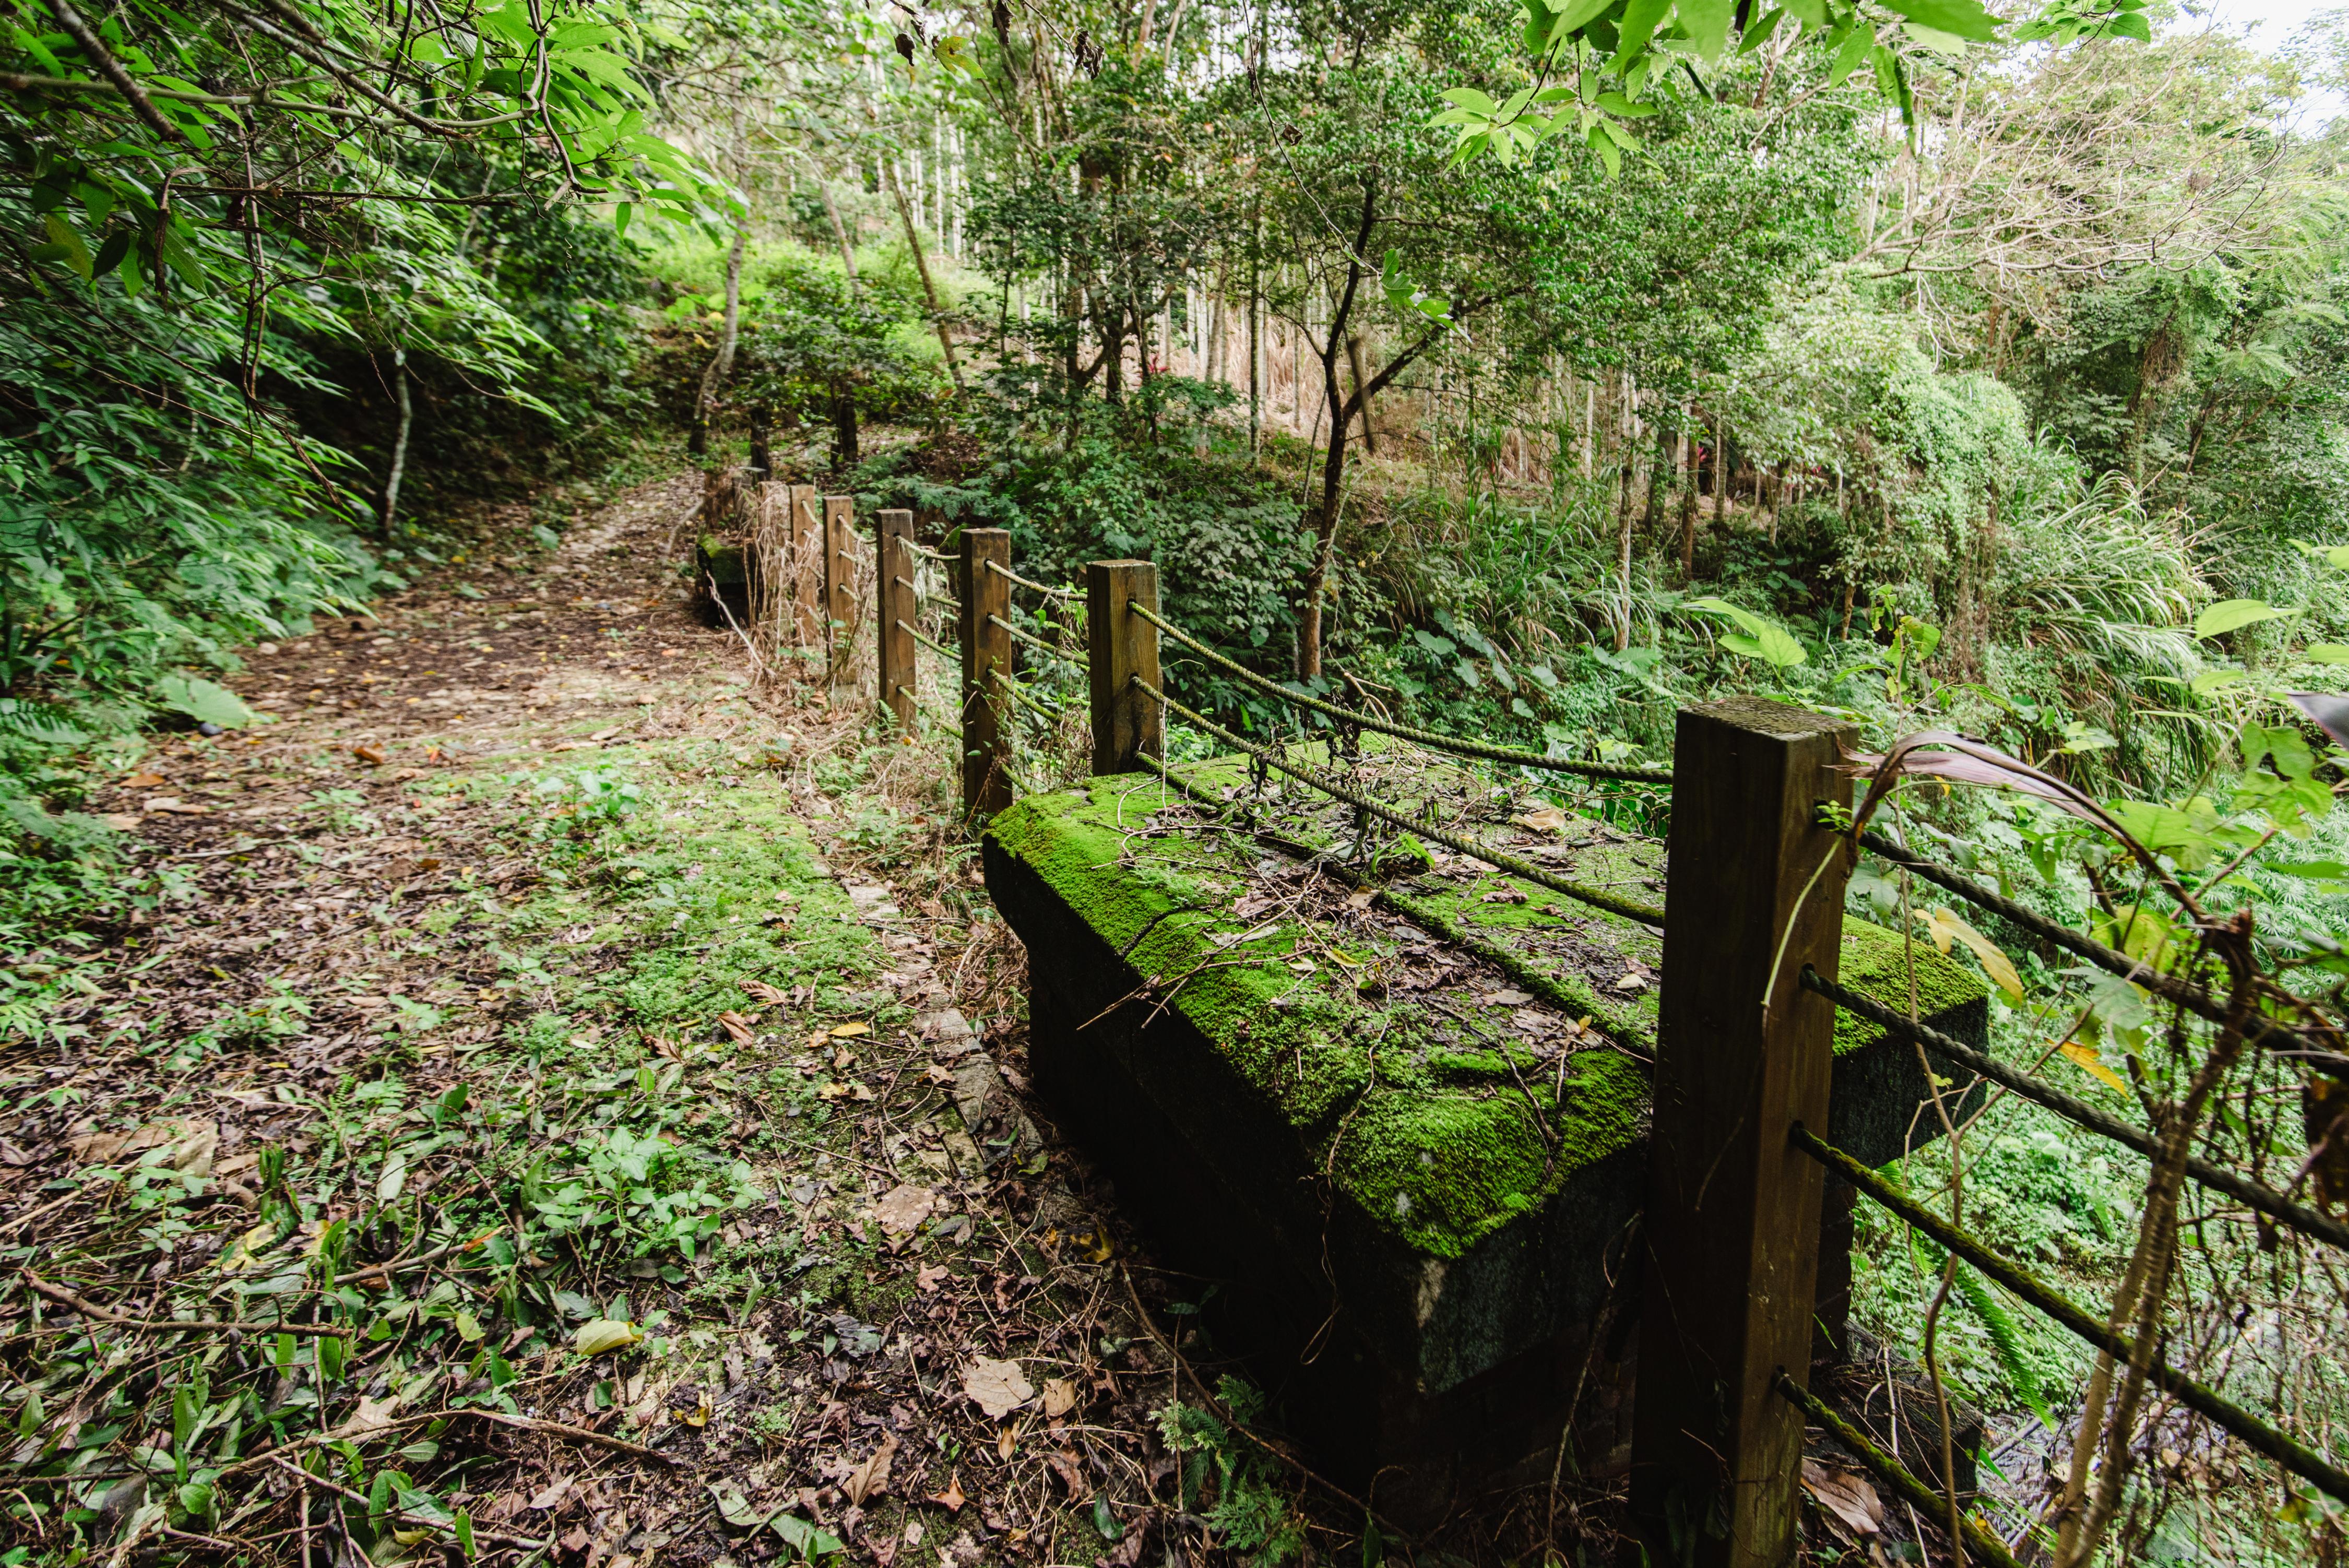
[(1421, 1195)]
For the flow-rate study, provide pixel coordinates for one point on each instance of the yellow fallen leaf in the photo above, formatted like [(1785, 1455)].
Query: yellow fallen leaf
[(1942, 925), (1548, 818), (844, 1031), (239, 1253), (605, 1334), (2093, 1064)]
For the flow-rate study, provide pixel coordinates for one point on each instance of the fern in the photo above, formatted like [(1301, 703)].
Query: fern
[(2024, 1374)]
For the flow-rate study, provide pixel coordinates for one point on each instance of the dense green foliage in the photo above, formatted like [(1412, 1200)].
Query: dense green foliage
[(1857, 353)]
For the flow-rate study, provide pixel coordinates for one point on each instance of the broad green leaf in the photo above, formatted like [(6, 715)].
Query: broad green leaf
[(2325, 653), (1638, 25), (2232, 614), (2312, 871), (1962, 18), (1780, 647), (202, 700), (1747, 621), (1468, 98), (1754, 38), (1707, 22), (1855, 49)]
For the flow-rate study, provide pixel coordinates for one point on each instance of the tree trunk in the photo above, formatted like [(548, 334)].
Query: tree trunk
[(844, 429), (1720, 471), (721, 363), (839, 233), (1361, 381), (399, 442), (922, 265)]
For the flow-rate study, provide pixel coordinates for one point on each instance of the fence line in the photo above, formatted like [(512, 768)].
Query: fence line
[(1402, 732), (1728, 1288)]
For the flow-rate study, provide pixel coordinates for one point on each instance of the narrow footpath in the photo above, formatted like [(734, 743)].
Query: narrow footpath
[(611, 1075)]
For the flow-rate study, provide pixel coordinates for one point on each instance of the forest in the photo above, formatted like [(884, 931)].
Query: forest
[(413, 1145)]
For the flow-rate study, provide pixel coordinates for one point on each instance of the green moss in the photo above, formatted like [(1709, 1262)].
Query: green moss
[(1878, 963), (1434, 1136)]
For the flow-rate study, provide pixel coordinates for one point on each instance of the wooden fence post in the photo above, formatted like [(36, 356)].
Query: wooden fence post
[(840, 588), (1731, 1229), (1120, 644), (985, 665), (807, 569), (894, 571)]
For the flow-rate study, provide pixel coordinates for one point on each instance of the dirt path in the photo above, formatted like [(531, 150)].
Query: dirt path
[(604, 1056)]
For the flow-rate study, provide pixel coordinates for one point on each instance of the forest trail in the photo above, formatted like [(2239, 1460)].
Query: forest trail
[(532, 967)]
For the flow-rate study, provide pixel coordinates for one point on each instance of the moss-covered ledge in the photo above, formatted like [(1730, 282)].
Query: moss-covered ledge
[(1350, 1112)]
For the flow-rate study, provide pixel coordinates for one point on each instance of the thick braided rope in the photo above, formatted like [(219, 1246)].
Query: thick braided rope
[(1647, 914), (1428, 737)]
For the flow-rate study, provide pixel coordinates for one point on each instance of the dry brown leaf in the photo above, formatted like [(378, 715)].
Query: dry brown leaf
[(1006, 1442), (370, 1417), (556, 1490), (863, 1091), (904, 1208), (1071, 1471), (849, 1031), (370, 754), (873, 1475), (739, 1026), (1060, 1397), (761, 991), (998, 1387), (952, 1498), (926, 1278), (1847, 1494), (145, 782), (171, 805), (1548, 818)]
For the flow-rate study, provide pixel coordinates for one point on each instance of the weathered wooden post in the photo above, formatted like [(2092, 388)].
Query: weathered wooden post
[(840, 588), (892, 579), (985, 665), (1732, 1229), (1120, 645), (807, 569)]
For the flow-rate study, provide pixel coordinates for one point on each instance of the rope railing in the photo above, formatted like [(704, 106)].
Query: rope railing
[(938, 648), (938, 555), (1013, 577), (2302, 1461), (935, 715), (1428, 737), (2275, 1205), (2260, 1031), (1985, 1546), (1038, 643), (1597, 898), (1020, 695)]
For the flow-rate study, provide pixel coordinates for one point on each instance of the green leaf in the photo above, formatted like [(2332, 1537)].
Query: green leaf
[(2325, 653), (66, 240), (464, 1526), (1707, 22), (1615, 103), (2311, 871), (1855, 49), (203, 701), (1965, 18), (2232, 614), (1754, 38), (1468, 98)]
